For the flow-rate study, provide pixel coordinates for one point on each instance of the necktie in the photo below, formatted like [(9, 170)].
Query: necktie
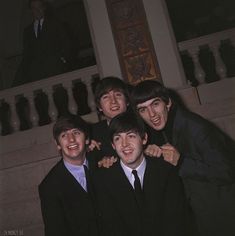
[(138, 191), (38, 30), (87, 177), (137, 184)]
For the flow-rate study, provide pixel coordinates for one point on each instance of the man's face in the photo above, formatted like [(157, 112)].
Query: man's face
[(72, 144), (37, 9), (129, 147), (112, 103), (154, 112)]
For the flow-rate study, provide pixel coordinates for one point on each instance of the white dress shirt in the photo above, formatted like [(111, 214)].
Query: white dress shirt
[(140, 171)]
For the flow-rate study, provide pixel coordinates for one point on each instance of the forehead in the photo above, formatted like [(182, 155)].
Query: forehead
[(149, 102), (68, 130), (114, 90), (36, 4)]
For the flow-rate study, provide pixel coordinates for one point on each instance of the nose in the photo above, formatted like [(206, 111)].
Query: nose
[(71, 137), (113, 98), (124, 142), (151, 112)]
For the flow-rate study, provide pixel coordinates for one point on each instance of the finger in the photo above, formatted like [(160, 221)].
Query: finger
[(97, 145)]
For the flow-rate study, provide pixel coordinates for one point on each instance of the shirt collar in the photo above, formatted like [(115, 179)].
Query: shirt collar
[(140, 169), (72, 167)]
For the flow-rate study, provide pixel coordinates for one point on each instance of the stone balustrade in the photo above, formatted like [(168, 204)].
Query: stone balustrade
[(9, 98), (213, 42)]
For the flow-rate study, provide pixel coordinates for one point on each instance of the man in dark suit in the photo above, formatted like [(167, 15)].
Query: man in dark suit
[(46, 52), (46, 45), (138, 196), (204, 155), (66, 193)]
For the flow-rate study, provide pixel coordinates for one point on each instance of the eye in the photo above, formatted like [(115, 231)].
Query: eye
[(132, 135), (156, 103), (63, 135), (141, 109), (118, 94), (104, 97), (116, 138), (76, 132)]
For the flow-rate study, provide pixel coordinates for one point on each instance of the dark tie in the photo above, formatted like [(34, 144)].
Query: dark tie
[(38, 30), (138, 189), (87, 177)]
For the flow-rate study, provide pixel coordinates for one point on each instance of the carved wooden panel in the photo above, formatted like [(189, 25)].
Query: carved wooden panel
[(133, 40)]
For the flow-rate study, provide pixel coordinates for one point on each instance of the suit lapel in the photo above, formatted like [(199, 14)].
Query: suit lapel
[(68, 180), (153, 185), (123, 190), (177, 126)]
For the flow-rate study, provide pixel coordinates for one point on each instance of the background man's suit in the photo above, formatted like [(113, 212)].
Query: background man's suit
[(42, 56), (163, 210), (67, 208)]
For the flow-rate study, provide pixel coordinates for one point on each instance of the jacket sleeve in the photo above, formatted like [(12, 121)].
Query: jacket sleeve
[(52, 212), (208, 157)]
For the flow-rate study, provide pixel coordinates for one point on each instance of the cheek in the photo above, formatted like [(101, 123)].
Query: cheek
[(144, 116)]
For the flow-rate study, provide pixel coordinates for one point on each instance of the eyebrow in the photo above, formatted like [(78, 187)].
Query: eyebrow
[(155, 100), (127, 132)]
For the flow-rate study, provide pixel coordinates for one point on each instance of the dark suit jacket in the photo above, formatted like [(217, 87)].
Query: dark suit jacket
[(206, 167), (100, 133), (163, 210), (67, 209), (207, 155)]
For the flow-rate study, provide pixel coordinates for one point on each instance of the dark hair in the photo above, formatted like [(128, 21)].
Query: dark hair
[(65, 123), (47, 6), (107, 84), (147, 90), (42, 1), (126, 121)]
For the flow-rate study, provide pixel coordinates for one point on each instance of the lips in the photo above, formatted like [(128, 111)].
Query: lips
[(115, 108), (127, 151), (156, 121), (73, 147)]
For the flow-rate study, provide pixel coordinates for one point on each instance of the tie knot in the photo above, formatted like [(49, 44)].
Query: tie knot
[(134, 172)]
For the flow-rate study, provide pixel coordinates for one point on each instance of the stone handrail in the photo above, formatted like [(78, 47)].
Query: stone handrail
[(10, 96), (213, 41)]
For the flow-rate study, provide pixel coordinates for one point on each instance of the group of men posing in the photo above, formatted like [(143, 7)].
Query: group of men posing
[(164, 170)]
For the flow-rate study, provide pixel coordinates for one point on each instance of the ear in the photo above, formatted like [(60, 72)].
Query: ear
[(113, 146), (145, 139), (99, 108), (57, 145), (87, 141), (168, 106)]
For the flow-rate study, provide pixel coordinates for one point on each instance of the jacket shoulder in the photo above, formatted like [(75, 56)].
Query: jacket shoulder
[(52, 178)]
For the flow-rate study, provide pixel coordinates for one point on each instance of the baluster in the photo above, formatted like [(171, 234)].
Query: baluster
[(5, 125), (15, 123), (72, 104), (33, 113), (232, 41), (91, 99), (219, 64), (51, 109), (198, 71)]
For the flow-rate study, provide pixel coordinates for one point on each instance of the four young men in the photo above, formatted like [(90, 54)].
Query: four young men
[(139, 195)]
